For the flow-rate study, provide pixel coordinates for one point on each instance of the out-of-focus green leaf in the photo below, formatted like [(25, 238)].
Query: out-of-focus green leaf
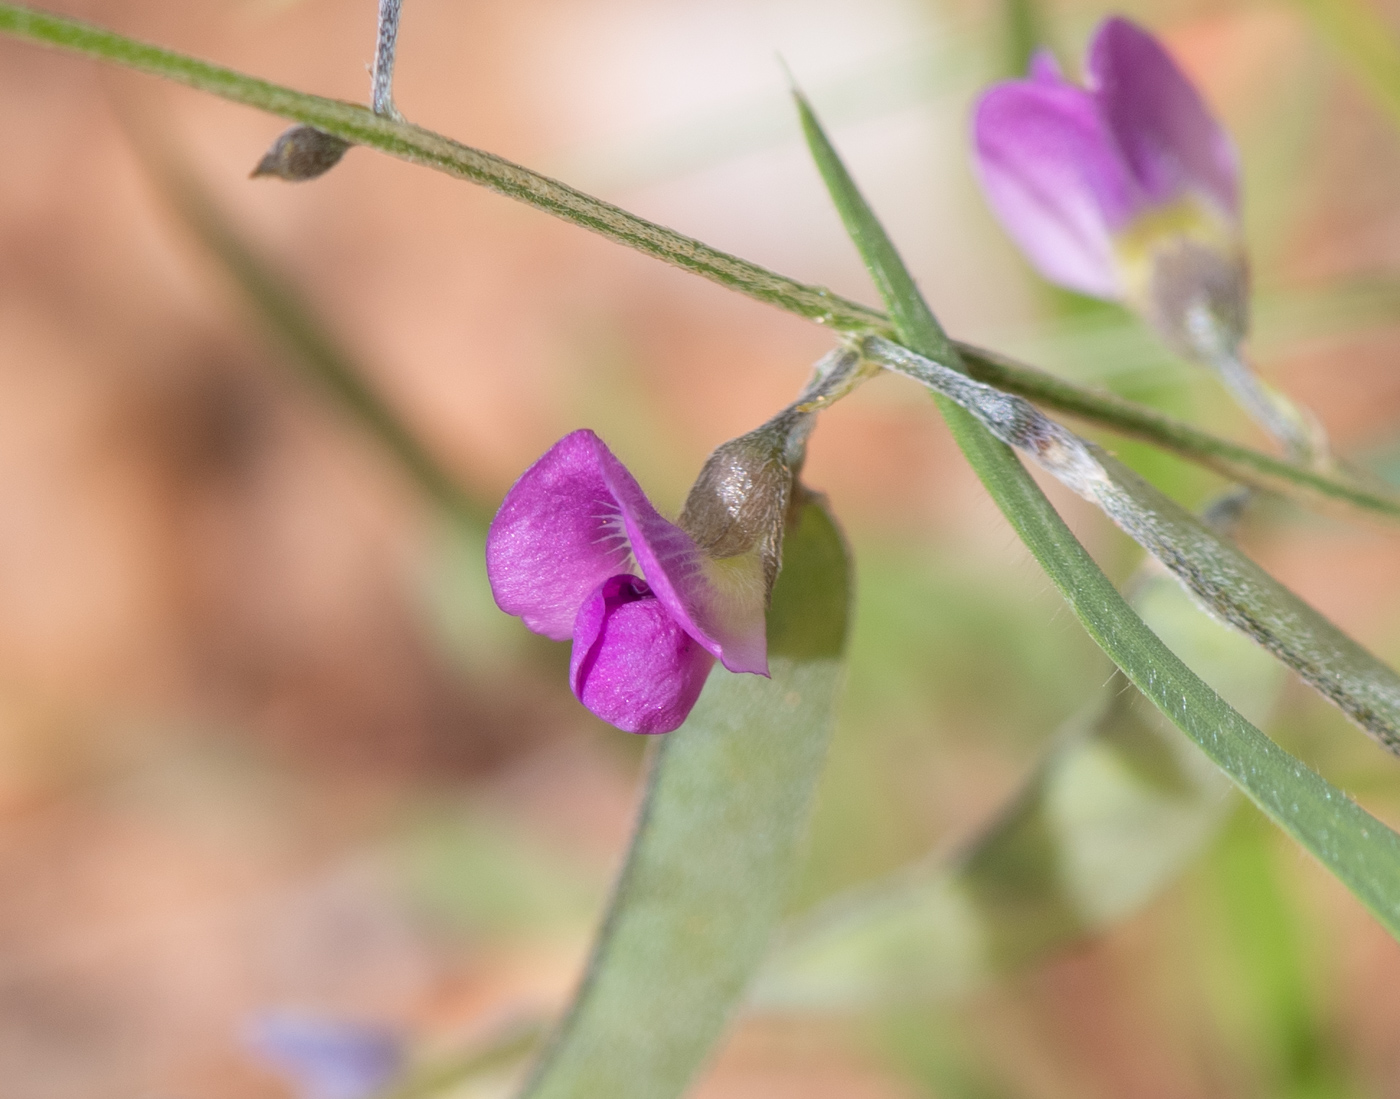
[(285, 315), (1267, 961), (472, 872), (1366, 42), (717, 839), (1104, 343), (1213, 569), (942, 1054), (1023, 34), (1360, 850), (1106, 822)]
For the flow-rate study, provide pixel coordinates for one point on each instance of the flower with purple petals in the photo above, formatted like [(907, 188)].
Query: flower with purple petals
[(578, 552), (328, 1058), (1124, 189)]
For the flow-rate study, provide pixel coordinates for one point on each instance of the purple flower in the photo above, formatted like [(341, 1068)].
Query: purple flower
[(1126, 188), (578, 552), (327, 1058)]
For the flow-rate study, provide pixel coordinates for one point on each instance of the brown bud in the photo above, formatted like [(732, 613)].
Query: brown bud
[(1198, 298), (739, 503), (303, 152)]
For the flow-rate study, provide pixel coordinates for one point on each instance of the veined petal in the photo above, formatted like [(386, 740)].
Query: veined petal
[(1055, 178), (558, 535), (679, 575), (1168, 137), (633, 665)]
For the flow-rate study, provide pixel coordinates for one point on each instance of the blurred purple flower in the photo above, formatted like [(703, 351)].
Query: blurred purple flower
[(577, 551), (1125, 189), (326, 1058)]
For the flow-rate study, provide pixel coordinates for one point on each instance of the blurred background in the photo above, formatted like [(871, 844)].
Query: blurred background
[(267, 746)]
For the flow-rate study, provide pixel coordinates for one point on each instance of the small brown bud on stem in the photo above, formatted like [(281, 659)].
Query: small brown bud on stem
[(301, 153)]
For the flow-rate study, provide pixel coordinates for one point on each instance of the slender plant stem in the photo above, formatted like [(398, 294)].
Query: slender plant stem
[(1363, 852), (382, 80), (1238, 463), (499, 1051), (362, 126), (412, 143)]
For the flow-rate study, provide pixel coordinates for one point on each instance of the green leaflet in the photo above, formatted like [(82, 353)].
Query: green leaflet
[(717, 838), (419, 146), (1109, 819), (1360, 850)]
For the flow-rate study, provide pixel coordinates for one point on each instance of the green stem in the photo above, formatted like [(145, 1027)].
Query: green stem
[(408, 142), (1358, 848), (491, 1055), (1238, 463)]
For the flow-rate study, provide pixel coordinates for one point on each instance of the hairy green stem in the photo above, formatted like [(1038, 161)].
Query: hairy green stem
[(408, 142), (416, 145), (1239, 463), (1358, 848), (1222, 578)]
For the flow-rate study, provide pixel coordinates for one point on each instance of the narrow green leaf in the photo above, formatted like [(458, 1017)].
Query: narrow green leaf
[(419, 146), (1224, 579), (1112, 815), (1360, 850), (718, 835)]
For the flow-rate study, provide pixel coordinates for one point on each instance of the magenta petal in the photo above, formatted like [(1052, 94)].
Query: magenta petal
[(1055, 179), (557, 536), (675, 570), (632, 664), (1167, 135), (1045, 67)]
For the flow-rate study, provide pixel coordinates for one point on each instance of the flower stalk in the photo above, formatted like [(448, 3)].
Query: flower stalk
[(1224, 580), (382, 77)]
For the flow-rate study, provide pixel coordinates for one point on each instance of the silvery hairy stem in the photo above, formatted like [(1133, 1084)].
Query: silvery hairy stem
[(382, 80)]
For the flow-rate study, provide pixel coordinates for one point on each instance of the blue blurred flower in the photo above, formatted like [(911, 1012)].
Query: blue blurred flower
[(328, 1058)]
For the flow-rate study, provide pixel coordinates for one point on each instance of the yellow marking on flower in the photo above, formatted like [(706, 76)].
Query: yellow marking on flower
[(1189, 220)]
